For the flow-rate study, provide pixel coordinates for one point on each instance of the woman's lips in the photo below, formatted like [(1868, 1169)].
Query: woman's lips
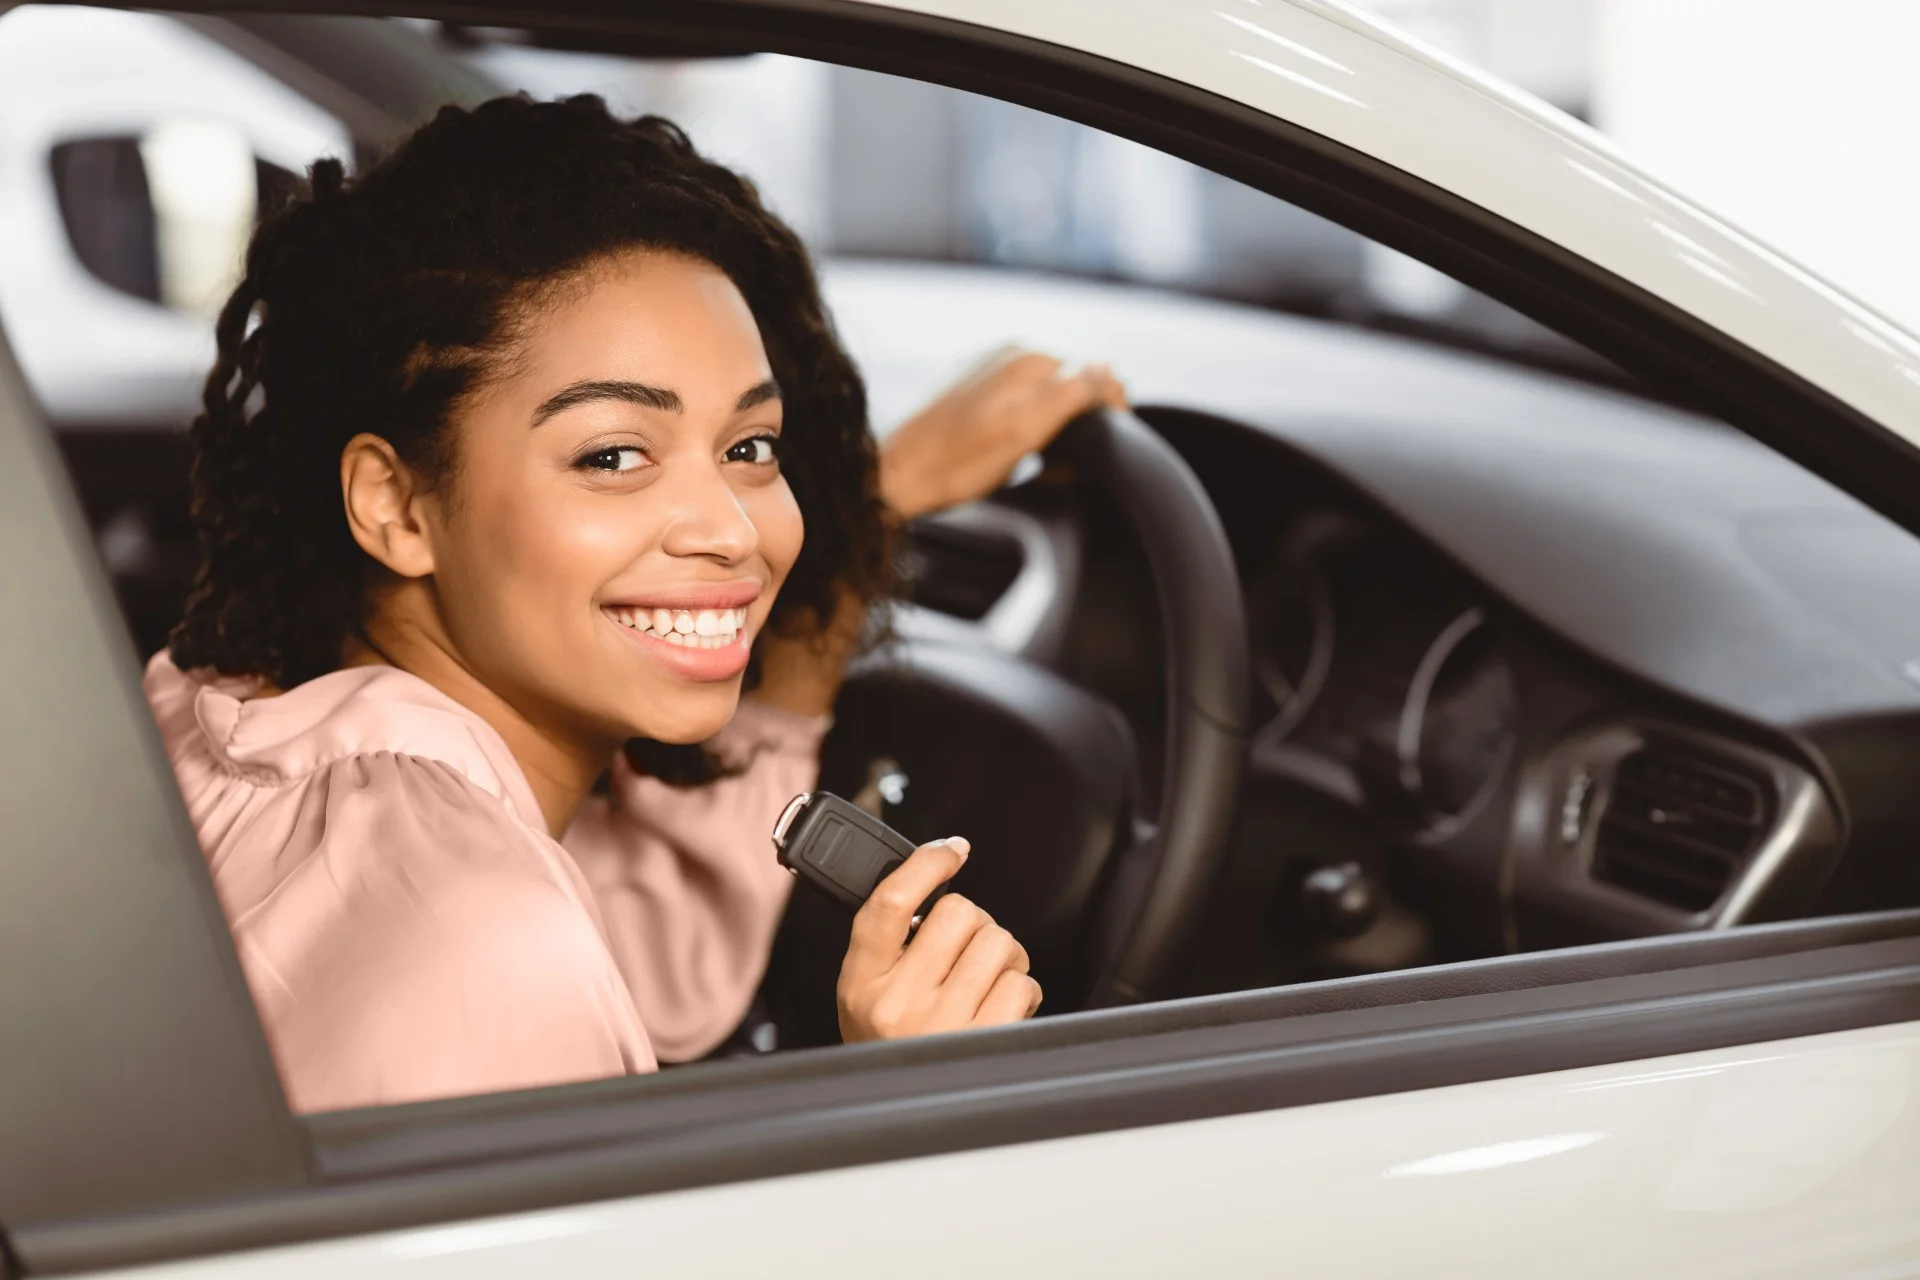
[(696, 644), (692, 596)]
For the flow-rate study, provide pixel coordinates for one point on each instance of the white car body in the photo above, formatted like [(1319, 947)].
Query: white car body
[(1787, 1158), (1350, 77), (1790, 1159)]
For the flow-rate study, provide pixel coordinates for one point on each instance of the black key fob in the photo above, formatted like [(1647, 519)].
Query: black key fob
[(841, 849)]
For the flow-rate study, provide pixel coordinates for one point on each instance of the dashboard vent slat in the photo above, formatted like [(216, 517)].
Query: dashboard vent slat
[(1678, 826)]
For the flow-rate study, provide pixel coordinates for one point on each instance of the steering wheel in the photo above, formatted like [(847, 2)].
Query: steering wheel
[(1100, 882)]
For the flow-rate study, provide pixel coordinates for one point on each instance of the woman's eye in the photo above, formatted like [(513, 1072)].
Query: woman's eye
[(625, 458), (760, 449)]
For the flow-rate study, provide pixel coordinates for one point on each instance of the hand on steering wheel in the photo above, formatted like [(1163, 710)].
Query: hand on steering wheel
[(962, 446), (965, 444)]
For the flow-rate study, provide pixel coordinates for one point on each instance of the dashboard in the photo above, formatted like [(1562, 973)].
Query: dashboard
[(1504, 786), (1538, 662), (1439, 769)]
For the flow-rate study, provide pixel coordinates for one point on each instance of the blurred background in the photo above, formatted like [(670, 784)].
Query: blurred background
[(1791, 117), (164, 136)]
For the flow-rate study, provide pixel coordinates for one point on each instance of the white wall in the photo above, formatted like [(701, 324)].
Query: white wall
[(1796, 119), (1544, 46)]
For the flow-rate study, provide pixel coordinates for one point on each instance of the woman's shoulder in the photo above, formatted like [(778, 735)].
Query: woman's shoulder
[(387, 876), (221, 732), (366, 780), (405, 937)]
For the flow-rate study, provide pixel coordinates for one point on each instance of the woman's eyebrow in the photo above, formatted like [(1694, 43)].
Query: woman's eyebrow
[(754, 397), (632, 392)]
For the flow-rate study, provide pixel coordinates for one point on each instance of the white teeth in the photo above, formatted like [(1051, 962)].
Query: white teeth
[(697, 629), (697, 641)]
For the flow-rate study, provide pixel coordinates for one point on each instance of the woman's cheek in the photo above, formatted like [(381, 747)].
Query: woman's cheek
[(608, 536), (776, 516), (569, 543)]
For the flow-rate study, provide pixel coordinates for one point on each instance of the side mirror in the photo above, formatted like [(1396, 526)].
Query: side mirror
[(164, 215)]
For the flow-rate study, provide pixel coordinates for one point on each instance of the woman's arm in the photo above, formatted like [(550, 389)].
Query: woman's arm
[(687, 881), (959, 448)]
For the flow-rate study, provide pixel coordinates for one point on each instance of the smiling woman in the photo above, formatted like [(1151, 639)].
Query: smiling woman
[(519, 449), (627, 464)]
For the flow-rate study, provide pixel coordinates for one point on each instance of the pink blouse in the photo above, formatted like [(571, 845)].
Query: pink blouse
[(409, 929)]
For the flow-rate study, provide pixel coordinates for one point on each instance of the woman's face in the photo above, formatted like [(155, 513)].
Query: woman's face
[(616, 526)]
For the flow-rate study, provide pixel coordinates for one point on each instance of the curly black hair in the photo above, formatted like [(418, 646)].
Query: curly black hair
[(378, 303)]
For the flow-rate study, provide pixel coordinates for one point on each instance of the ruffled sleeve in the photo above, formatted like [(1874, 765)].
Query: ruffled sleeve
[(407, 933), (687, 880), (422, 948)]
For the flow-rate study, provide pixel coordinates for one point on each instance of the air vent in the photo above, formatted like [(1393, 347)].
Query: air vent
[(1679, 825), (959, 572)]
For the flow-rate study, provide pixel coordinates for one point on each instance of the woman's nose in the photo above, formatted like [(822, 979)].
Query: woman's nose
[(707, 519)]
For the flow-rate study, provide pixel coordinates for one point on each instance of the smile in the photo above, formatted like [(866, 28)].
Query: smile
[(688, 628)]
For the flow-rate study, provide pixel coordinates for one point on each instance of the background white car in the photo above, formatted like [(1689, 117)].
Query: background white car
[(1532, 659)]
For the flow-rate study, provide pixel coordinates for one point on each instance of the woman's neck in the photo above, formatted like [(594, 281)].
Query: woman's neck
[(560, 767)]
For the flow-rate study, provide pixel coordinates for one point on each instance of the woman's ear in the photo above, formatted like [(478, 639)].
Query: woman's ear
[(384, 506)]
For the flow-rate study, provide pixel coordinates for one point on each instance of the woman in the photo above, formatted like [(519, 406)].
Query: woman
[(522, 450)]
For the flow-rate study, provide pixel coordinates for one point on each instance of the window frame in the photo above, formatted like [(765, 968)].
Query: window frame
[(200, 1154)]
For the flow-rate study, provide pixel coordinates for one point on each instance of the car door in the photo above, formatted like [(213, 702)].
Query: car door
[(1731, 1103)]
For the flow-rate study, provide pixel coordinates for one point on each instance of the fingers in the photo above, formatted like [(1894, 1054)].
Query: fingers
[(1100, 387), (991, 952), (959, 970), (1109, 389), (1028, 368), (1060, 394), (1008, 361), (947, 932), (1066, 398), (1015, 996), (880, 926)]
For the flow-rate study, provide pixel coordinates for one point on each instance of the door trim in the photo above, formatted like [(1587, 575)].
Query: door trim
[(391, 1168)]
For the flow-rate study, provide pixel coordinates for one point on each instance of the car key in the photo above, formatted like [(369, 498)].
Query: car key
[(841, 849)]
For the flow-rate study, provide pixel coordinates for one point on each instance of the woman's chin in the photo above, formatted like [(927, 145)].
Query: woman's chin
[(694, 714)]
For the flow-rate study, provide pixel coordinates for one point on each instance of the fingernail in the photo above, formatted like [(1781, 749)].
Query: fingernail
[(958, 844)]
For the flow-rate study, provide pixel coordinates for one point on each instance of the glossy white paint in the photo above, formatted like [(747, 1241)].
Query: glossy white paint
[(1799, 1158), (1356, 80)]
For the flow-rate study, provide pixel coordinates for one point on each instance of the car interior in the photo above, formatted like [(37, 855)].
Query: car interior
[(1381, 644), (1403, 696)]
